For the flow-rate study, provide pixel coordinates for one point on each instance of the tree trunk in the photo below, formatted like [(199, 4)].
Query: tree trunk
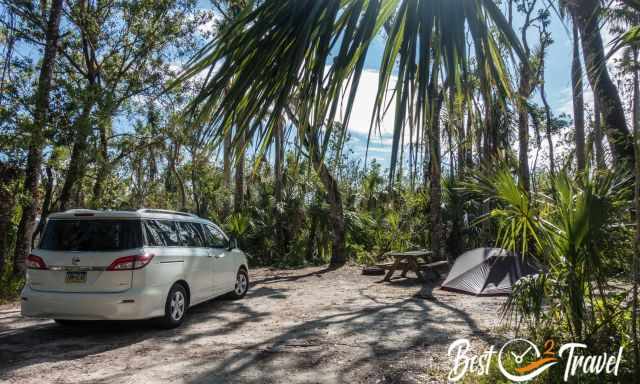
[(311, 241), (48, 195), (434, 180), (334, 199), (547, 111), (226, 171), (238, 200), (523, 130), (586, 13), (278, 163), (597, 135), (468, 149), (578, 99), (174, 169), (37, 140), (8, 177), (76, 162), (490, 141), (102, 162), (195, 193), (281, 233), (462, 141)]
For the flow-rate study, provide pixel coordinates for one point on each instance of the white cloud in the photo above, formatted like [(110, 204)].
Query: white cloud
[(566, 99), (363, 104), (386, 149)]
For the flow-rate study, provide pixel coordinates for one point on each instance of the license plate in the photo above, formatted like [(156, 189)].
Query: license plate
[(75, 277)]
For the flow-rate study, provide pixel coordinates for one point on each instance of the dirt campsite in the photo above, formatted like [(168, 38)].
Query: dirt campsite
[(294, 326)]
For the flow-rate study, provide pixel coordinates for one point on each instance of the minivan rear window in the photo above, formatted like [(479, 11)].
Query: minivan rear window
[(91, 235)]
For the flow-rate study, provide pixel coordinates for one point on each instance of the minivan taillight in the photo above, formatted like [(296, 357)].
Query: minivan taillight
[(35, 262), (128, 263)]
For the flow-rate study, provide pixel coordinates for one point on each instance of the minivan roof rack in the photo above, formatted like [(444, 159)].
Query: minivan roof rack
[(151, 210)]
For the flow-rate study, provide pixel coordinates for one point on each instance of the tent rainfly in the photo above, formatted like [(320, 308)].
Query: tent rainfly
[(486, 272)]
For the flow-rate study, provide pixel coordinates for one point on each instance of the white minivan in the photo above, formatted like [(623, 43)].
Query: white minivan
[(126, 265)]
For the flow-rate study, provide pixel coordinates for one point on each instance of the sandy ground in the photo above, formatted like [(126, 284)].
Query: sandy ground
[(303, 326)]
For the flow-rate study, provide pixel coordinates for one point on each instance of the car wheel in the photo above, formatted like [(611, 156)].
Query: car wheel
[(242, 285), (175, 308)]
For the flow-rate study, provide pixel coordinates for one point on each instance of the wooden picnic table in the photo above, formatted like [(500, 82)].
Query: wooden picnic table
[(411, 261)]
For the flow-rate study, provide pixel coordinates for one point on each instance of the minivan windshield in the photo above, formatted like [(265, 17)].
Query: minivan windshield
[(91, 235)]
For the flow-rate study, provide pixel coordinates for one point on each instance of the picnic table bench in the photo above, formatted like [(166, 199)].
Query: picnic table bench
[(411, 261)]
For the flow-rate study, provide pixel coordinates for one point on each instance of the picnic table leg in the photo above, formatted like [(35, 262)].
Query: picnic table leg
[(416, 268), (392, 269), (405, 269)]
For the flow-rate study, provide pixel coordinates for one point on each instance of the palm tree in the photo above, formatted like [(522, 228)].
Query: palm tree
[(316, 49)]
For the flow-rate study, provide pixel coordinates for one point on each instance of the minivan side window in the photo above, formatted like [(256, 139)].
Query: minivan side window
[(190, 235), (153, 233), (166, 230), (215, 238)]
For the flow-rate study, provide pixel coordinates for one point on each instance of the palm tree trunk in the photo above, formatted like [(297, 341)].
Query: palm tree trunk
[(278, 187), (174, 168), (462, 140), (278, 163), (468, 148), (195, 189), (547, 110), (490, 143), (226, 170), (578, 100), (238, 200), (621, 142), (435, 211), (523, 130), (37, 140), (597, 135)]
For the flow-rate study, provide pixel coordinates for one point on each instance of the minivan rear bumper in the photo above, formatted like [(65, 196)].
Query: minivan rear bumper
[(133, 304)]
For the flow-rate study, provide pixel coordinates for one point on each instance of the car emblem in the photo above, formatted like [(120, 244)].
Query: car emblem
[(75, 260)]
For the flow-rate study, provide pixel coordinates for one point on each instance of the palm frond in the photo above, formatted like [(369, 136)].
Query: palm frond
[(312, 53)]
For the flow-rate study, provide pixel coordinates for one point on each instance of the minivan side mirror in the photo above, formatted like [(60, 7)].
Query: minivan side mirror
[(233, 243)]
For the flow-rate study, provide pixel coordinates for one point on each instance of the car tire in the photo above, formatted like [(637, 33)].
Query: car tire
[(175, 308), (242, 285)]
